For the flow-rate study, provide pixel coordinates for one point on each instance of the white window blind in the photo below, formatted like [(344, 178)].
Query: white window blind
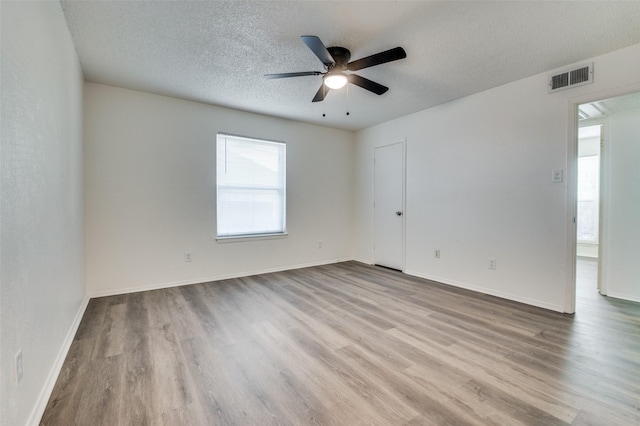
[(250, 186)]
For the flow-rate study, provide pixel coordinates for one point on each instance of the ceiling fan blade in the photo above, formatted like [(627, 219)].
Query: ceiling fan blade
[(321, 93), (365, 83), (377, 59), (319, 49), (291, 74)]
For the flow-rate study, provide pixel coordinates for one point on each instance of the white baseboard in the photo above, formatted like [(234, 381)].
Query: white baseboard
[(500, 294), (622, 296), (158, 286), (365, 261), (47, 389)]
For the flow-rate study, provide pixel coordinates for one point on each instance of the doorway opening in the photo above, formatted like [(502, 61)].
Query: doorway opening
[(607, 231)]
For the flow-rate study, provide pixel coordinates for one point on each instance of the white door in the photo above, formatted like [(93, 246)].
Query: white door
[(388, 206)]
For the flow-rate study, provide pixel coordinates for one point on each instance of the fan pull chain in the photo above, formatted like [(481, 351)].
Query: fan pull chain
[(324, 92), (347, 98)]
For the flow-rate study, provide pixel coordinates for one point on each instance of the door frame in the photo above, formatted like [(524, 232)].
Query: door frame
[(572, 185), (404, 201)]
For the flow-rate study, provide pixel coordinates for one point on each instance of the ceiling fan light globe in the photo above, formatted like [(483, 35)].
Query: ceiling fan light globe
[(335, 81)]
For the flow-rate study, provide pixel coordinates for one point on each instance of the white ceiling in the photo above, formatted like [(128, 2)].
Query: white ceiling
[(608, 107), (217, 51)]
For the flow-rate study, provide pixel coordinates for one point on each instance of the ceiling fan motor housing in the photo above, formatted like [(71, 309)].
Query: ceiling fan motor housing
[(340, 55)]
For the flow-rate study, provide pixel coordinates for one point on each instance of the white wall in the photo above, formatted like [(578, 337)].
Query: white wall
[(42, 274), (479, 185), (622, 214), (150, 192)]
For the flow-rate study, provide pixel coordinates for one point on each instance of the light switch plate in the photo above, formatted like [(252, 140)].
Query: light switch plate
[(557, 176)]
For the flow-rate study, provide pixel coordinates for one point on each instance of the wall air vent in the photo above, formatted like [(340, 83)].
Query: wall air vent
[(571, 78)]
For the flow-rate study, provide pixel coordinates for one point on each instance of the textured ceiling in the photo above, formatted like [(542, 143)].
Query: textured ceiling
[(217, 52)]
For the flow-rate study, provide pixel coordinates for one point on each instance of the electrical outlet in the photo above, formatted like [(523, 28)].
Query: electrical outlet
[(18, 364), (492, 263), (187, 257), (436, 253), (319, 244), (557, 176)]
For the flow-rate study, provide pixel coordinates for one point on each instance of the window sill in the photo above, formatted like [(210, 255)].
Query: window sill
[(243, 238)]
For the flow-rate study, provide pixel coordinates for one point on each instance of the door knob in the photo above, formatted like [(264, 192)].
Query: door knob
[(398, 213)]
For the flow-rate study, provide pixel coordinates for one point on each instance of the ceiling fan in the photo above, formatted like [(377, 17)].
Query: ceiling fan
[(336, 62)]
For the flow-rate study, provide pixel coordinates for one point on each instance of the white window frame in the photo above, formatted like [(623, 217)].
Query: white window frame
[(281, 188)]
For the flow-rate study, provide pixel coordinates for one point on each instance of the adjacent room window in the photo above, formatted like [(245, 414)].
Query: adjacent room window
[(588, 199), (250, 187)]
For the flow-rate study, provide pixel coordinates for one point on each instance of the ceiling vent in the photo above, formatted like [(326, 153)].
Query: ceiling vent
[(571, 78)]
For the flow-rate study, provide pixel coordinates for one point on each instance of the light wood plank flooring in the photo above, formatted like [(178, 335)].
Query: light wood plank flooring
[(347, 344)]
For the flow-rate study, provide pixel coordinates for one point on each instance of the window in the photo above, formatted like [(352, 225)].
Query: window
[(250, 187), (588, 198)]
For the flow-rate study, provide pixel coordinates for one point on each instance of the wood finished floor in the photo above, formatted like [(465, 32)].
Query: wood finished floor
[(347, 344)]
